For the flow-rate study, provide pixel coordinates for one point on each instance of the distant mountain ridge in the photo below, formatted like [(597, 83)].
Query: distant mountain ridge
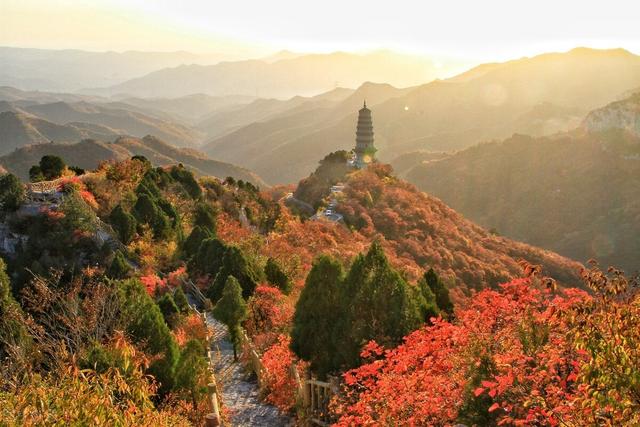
[(18, 129), (283, 78), (539, 96), (69, 122), (89, 153), (70, 70), (575, 193)]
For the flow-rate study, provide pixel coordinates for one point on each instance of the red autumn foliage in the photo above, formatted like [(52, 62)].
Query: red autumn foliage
[(152, 283), (174, 278), (269, 314), (419, 230), (510, 345), (281, 385), (191, 327)]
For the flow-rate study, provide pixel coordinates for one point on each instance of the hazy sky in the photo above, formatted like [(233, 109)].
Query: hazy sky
[(471, 29)]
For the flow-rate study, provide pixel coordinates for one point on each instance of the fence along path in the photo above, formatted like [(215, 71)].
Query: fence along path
[(240, 395)]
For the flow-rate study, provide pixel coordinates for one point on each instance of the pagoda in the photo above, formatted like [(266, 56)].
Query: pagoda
[(364, 151)]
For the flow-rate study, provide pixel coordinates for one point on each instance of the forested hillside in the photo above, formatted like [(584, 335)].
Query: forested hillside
[(108, 259), (575, 193)]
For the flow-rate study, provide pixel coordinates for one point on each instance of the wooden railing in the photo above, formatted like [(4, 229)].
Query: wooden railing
[(190, 288), (317, 396), (213, 418), (255, 362), (44, 186), (314, 395)]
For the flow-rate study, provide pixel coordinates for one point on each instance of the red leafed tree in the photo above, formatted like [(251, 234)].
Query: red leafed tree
[(269, 314), (281, 384), (506, 360)]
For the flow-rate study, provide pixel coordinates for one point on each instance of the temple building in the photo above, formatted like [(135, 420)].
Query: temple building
[(364, 151)]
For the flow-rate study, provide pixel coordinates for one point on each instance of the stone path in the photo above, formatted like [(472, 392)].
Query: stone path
[(240, 393)]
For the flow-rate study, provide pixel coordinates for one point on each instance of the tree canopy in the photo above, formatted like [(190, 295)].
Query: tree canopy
[(231, 310)]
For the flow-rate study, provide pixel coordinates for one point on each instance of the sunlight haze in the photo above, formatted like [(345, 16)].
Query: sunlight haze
[(474, 31)]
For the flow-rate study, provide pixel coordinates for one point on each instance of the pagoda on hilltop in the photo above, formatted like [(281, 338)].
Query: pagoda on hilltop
[(364, 151)]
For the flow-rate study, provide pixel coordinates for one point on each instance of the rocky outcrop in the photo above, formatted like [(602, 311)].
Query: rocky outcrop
[(623, 115)]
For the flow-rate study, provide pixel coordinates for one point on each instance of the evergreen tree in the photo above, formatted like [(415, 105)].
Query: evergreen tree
[(35, 174), (235, 264), (426, 300), (205, 217), (145, 209), (13, 333), (208, 259), (168, 209), (191, 368), (440, 291), (380, 306), (231, 310), (52, 167), (142, 159), (169, 309), (145, 324), (188, 181), (318, 316), (11, 192), (119, 268), (181, 300), (192, 243), (277, 277), (123, 223)]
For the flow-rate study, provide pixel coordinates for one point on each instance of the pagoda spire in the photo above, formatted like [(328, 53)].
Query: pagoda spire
[(364, 150)]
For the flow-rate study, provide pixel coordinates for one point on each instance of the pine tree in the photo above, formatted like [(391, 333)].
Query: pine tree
[(426, 300), (208, 258), (35, 174), (169, 309), (318, 316), (190, 369), (234, 263), (380, 306), (13, 333), (277, 277), (52, 167), (11, 192), (145, 324), (231, 310), (192, 243), (119, 268), (145, 209), (123, 223), (205, 217), (181, 300), (188, 181), (440, 291)]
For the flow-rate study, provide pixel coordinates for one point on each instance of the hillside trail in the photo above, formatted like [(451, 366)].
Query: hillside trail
[(240, 393)]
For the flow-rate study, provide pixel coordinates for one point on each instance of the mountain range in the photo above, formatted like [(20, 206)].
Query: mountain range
[(89, 153), (538, 96), (71, 121), (71, 70), (576, 193), (284, 77)]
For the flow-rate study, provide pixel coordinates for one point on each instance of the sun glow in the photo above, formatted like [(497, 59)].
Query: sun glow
[(452, 29)]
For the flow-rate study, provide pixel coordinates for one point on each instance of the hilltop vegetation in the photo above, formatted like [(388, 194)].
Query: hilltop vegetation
[(574, 193), (89, 154), (404, 278)]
